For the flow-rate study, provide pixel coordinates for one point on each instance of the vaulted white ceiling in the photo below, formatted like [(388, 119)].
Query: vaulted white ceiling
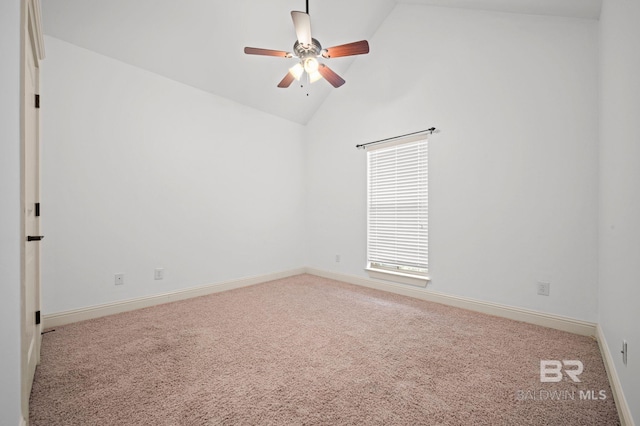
[(200, 42)]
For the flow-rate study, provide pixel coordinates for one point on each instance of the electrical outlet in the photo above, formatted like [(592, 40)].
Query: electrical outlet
[(119, 279), (158, 273), (624, 352), (337, 258), (543, 288)]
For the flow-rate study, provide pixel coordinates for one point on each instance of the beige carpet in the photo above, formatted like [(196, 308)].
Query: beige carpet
[(306, 350)]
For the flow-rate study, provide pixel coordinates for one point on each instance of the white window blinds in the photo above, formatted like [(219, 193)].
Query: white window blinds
[(397, 207)]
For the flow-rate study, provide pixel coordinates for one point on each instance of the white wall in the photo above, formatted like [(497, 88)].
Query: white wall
[(619, 296), (141, 172), (513, 175), (10, 213)]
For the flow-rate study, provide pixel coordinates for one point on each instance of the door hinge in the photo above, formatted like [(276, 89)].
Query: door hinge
[(37, 209), (37, 101), (37, 317)]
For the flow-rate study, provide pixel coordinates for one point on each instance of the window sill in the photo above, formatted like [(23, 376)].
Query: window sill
[(398, 277)]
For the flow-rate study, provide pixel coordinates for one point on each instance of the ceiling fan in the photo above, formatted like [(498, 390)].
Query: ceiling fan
[(308, 50)]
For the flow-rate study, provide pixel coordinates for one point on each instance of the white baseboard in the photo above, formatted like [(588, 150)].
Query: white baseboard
[(557, 322), (624, 412), (520, 314), (82, 314)]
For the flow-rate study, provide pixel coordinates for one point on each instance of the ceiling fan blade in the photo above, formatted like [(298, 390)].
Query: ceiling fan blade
[(349, 49), (302, 24), (267, 52), (286, 81), (330, 76)]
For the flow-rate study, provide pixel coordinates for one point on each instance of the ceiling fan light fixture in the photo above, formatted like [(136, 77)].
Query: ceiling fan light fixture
[(296, 71), (311, 65), (314, 76)]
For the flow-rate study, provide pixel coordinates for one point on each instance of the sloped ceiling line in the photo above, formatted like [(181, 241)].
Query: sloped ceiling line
[(200, 43)]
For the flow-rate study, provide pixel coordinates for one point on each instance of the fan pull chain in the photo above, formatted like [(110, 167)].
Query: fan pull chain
[(308, 78)]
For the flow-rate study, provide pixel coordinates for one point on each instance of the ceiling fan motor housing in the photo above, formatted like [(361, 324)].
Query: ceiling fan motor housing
[(311, 51)]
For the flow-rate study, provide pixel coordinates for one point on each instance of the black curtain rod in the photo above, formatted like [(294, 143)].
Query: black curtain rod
[(431, 131)]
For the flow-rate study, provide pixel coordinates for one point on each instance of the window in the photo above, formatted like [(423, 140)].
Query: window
[(397, 225)]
